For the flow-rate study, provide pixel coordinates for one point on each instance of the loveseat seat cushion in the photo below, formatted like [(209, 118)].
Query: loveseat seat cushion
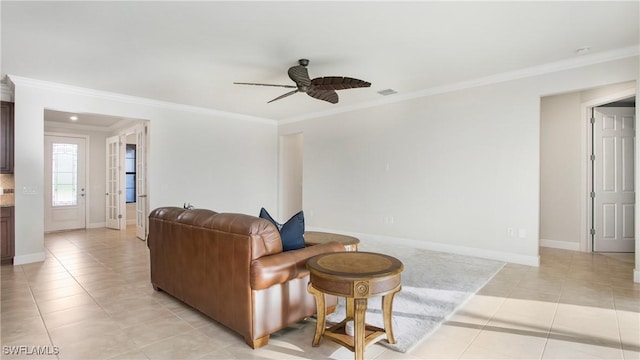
[(282, 267)]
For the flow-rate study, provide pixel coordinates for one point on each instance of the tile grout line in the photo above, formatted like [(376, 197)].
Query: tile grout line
[(79, 284), (555, 311), (615, 313), (46, 328), (504, 299)]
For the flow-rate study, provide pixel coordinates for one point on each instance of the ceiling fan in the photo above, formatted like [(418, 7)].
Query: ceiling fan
[(322, 88)]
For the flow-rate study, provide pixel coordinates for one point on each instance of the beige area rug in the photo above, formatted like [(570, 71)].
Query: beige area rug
[(434, 286)]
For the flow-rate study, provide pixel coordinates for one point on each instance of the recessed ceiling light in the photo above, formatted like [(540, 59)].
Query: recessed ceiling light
[(73, 118), (583, 50)]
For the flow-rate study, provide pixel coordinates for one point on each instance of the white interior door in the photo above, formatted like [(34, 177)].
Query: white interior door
[(65, 195), (141, 181), (614, 202), (115, 201)]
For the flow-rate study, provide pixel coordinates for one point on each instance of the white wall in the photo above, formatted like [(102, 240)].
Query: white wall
[(452, 171), (214, 160)]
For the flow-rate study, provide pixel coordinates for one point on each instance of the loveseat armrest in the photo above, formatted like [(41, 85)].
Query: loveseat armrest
[(282, 267)]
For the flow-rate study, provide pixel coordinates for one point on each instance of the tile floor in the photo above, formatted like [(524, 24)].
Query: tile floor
[(91, 299)]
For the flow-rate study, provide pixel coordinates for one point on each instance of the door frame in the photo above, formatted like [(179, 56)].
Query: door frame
[(586, 168), (133, 130), (87, 162)]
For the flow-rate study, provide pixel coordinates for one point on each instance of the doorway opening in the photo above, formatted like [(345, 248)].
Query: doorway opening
[(96, 129), (126, 169), (290, 174), (565, 164)]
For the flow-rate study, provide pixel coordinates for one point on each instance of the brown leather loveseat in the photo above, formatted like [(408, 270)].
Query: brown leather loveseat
[(231, 267)]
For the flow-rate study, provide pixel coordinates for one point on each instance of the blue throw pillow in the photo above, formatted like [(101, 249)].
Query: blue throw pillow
[(291, 232)]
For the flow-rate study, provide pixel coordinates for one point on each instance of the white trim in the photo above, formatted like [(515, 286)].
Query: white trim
[(557, 244), (6, 92), (567, 64), (428, 245), (572, 63), (113, 128), (28, 258), (75, 90), (96, 225), (636, 276)]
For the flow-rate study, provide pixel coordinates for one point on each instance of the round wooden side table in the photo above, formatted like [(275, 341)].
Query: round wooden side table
[(317, 237), (356, 276)]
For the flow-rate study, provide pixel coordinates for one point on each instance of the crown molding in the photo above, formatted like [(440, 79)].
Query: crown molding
[(104, 95), (576, 62), (119, 126)]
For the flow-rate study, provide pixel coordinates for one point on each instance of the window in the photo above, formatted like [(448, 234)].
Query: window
[(130, 170), (65, 174)]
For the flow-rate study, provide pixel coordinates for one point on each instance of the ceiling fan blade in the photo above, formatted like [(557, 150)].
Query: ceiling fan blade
[(283, 96), (299, 75), (338, 83), (258, 84), (326, 95)]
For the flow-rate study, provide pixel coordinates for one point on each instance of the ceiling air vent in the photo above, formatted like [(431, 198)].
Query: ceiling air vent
[(387, 92)]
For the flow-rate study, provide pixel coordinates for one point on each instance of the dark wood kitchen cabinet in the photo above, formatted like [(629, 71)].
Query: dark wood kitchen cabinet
[(7, 235), (6, 138)]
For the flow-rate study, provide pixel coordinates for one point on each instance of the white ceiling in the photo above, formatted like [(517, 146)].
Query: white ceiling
[(87, 121), (191, 52)]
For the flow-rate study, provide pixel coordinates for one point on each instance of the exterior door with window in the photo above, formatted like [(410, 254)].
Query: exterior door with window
[(65, 188)]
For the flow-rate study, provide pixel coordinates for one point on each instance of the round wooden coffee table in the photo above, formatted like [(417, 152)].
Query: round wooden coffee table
[(355, 276)]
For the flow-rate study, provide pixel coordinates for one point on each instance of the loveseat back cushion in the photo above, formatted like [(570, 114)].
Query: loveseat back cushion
[(265, 238), (168, 213)]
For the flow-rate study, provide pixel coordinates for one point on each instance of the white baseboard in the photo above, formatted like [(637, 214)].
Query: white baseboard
[(557, 244), (636, 276), (96, 225), (454, 249), (28, 258)]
